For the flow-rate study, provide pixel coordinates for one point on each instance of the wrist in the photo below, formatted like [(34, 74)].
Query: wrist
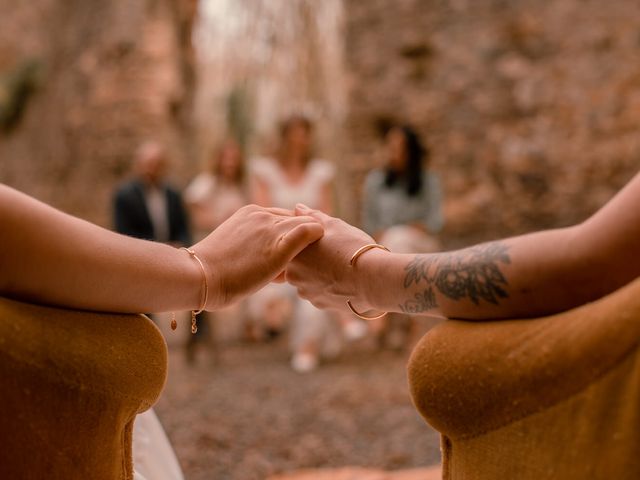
[(372, 277), (195, 280)]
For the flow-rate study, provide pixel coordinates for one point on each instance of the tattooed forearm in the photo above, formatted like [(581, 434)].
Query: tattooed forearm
[(473, 273), (421, 302)]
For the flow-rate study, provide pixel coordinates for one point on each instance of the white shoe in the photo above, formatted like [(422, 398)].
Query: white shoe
[(355, 330), (304, 362)]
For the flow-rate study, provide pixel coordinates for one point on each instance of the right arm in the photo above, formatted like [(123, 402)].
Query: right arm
[(536, 274)]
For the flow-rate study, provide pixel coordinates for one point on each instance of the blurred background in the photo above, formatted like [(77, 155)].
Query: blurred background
[(529, 110)]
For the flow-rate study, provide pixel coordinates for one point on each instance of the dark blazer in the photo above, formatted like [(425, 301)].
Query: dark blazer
[(131, 216)]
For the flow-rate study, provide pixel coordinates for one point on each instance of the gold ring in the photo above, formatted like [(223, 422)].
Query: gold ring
[(352, 262)]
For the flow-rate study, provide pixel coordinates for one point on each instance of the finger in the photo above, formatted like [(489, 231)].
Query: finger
[(287, 223), (303, 210), (280, 211), (298, 238)]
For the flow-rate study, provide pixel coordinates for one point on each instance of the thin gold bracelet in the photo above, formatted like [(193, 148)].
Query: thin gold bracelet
[(352, 262), (205, 295)]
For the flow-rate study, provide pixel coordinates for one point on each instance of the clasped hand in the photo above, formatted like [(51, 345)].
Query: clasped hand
[(310, 249)]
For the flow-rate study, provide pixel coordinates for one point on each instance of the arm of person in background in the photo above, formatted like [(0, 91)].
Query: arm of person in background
[(260, 193), (47, 256), (530, 275), (370, 220), (432, 220), (200, 215), (197, 199), (326, 199)]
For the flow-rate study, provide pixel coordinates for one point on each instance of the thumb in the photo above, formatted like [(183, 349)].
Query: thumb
[(280, 278), (298, 238)]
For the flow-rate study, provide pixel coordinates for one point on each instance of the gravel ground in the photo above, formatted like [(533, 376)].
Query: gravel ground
[(249, 416)]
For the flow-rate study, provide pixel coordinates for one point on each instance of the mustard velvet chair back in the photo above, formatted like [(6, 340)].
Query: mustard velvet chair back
[(549, 398), (71, 384)]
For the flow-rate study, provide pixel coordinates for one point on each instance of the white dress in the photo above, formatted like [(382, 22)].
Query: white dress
[(220, 200), (309, 323), (153, 456), (285, 194)]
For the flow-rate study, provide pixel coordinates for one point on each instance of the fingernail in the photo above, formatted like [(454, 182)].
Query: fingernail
[(303, 207)]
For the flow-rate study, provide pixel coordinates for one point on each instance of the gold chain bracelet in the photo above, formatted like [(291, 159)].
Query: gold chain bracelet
[(204, 297), (352, 263)]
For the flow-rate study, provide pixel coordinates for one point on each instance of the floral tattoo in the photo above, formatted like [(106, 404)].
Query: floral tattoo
[(473, 273)]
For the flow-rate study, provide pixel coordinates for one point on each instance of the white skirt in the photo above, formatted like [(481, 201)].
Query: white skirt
[(153, 456)]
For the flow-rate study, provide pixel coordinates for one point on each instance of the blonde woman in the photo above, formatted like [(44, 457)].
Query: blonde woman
[(293, 175)]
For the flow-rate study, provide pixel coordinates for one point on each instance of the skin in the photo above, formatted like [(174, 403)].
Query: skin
[(49, 257), (530, 275), (151, 163), (227, 169), (229, 163), (396, 150), (297, 143)]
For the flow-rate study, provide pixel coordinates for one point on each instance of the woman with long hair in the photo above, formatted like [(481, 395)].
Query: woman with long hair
[(405, 193), (212, 197), (216, 193), (402, 210)]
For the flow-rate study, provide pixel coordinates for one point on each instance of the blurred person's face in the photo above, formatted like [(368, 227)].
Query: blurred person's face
[(230, 162), (152, 166), (396, 150), (298, 139)]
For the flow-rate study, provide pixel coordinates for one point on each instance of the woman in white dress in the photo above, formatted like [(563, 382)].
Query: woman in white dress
[(215, 194), (294, 176)]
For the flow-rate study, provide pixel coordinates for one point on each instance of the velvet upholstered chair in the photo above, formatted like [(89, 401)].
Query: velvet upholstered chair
[(550, 398), (547, 398), (71, 384)]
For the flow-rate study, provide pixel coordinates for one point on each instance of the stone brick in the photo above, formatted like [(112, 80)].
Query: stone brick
[(111, 74), (531, 108)]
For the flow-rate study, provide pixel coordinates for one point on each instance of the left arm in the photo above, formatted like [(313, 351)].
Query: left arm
[(47, 256)]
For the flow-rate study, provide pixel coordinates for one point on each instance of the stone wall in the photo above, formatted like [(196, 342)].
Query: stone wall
[(261, 61), (531, 107), (84, 83)]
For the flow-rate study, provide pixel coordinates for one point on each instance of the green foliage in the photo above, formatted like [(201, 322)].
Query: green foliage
[(16, 87), (238, 115)]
